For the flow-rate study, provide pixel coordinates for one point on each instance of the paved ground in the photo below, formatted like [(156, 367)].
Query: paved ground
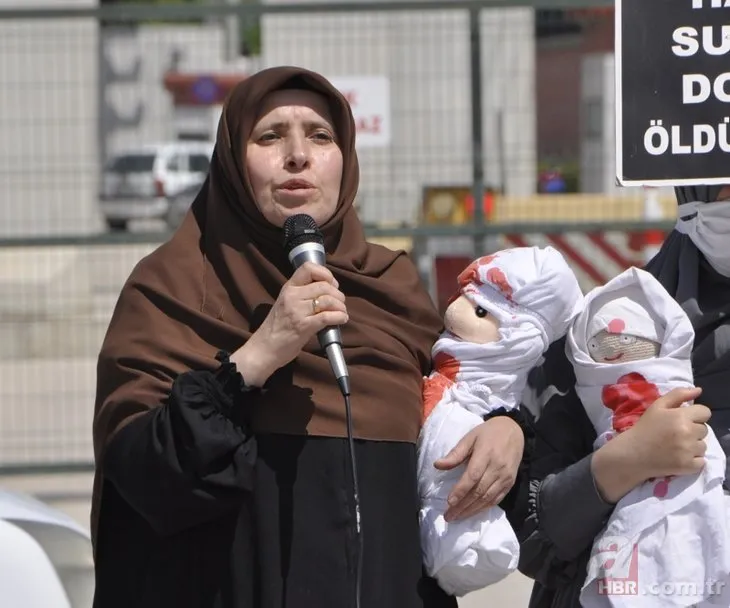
[(513, 592)]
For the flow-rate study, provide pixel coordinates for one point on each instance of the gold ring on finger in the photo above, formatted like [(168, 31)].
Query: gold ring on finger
[(315, 306)]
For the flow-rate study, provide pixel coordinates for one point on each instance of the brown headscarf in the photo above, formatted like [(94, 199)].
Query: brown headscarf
[(213, 282)]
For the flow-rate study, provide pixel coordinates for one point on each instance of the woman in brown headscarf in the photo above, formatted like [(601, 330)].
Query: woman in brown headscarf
[(222, 466)]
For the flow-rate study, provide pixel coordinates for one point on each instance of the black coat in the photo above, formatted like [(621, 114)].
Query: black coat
[(196, 512), (563, 511)]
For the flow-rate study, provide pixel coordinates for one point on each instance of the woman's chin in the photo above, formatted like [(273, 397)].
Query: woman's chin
[(312, 208), (295, 198)]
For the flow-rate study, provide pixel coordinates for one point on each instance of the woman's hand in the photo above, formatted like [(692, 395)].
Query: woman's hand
[(670, 439), (667, 440), (292, 321), (494, 451)]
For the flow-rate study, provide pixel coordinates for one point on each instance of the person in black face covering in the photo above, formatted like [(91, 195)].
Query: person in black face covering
[(572, 489), (694, 266)]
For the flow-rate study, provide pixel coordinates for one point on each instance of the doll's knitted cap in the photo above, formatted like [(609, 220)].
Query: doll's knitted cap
[(624, 315)]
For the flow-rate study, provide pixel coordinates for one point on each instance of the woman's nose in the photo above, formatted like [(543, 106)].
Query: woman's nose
[(297, 155)]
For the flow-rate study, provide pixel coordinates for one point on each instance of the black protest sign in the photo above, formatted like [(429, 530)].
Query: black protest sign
[(673, 92)]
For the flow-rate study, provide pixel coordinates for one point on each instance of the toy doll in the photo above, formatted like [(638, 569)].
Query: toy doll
[(631, 344), (509, 308)]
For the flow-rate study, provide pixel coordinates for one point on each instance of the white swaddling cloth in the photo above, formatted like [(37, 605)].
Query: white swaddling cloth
[(533, 294), (666, 543)]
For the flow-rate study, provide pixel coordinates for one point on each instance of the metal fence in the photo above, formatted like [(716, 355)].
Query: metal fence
[(457, 101)]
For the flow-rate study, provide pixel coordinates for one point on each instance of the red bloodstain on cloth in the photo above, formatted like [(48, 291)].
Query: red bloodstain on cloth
[(499, 280), (616, 326), (445, 368), (471, 273), (661, 489), (446, 365), (628, 399)]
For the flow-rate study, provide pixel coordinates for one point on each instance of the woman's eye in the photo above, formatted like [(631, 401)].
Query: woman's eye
[(481, 313), (323, 136), (268, 137)]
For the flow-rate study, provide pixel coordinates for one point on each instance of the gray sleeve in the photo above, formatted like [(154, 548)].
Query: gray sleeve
[(565, 514)]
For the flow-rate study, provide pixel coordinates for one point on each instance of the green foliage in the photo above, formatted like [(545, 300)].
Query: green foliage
[(251, 39), (152, 2), (250, 29)]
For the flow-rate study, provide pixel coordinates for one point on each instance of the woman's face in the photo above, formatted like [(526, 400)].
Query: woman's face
[(293, 159)]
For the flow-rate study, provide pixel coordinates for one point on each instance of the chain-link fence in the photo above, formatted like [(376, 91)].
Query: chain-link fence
[(107, 116)]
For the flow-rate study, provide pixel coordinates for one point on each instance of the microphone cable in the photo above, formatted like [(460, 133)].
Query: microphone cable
[(356, 501), (304, 243)]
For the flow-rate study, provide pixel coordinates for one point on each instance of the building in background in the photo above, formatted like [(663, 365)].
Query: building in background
[(49, 90), (425, 57), (566, 39), (76, 93)]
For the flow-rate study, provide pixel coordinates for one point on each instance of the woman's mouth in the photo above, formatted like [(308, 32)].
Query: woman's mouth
[(294, 185), (295, 192)]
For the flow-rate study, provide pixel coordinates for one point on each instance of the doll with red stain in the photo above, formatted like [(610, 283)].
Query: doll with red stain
[(623, 331), (471, 276), (445, 369), (631, 344), (508, 308)]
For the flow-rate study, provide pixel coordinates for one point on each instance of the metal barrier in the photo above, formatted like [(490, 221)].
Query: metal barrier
[(48, 346), (444, 92), (451, 99)]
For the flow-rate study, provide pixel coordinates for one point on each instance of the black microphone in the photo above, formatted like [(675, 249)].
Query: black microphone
[(304, 243)]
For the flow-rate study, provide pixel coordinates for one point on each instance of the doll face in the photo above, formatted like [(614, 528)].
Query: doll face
[(607, 347), (471, 323)]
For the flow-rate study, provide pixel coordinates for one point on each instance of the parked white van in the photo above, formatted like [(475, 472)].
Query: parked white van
[(137, 183)]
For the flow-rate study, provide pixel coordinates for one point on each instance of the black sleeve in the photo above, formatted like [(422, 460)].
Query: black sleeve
[(561, 511), (190, 460), (514, 502)]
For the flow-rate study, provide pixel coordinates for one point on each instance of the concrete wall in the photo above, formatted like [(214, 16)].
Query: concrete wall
[(597, 113), (70, 95), (48, 109), (136, 108), (52, 324), (598, 134), (426, 57)]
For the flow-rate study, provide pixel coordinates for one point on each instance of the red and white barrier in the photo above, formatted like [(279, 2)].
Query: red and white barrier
[(596, 257)]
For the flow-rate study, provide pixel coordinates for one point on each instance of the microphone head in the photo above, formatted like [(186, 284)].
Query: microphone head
[(299, 229)]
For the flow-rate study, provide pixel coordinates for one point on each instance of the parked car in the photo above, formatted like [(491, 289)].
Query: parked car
[(136, 183), (46, 558), (178, 204)]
